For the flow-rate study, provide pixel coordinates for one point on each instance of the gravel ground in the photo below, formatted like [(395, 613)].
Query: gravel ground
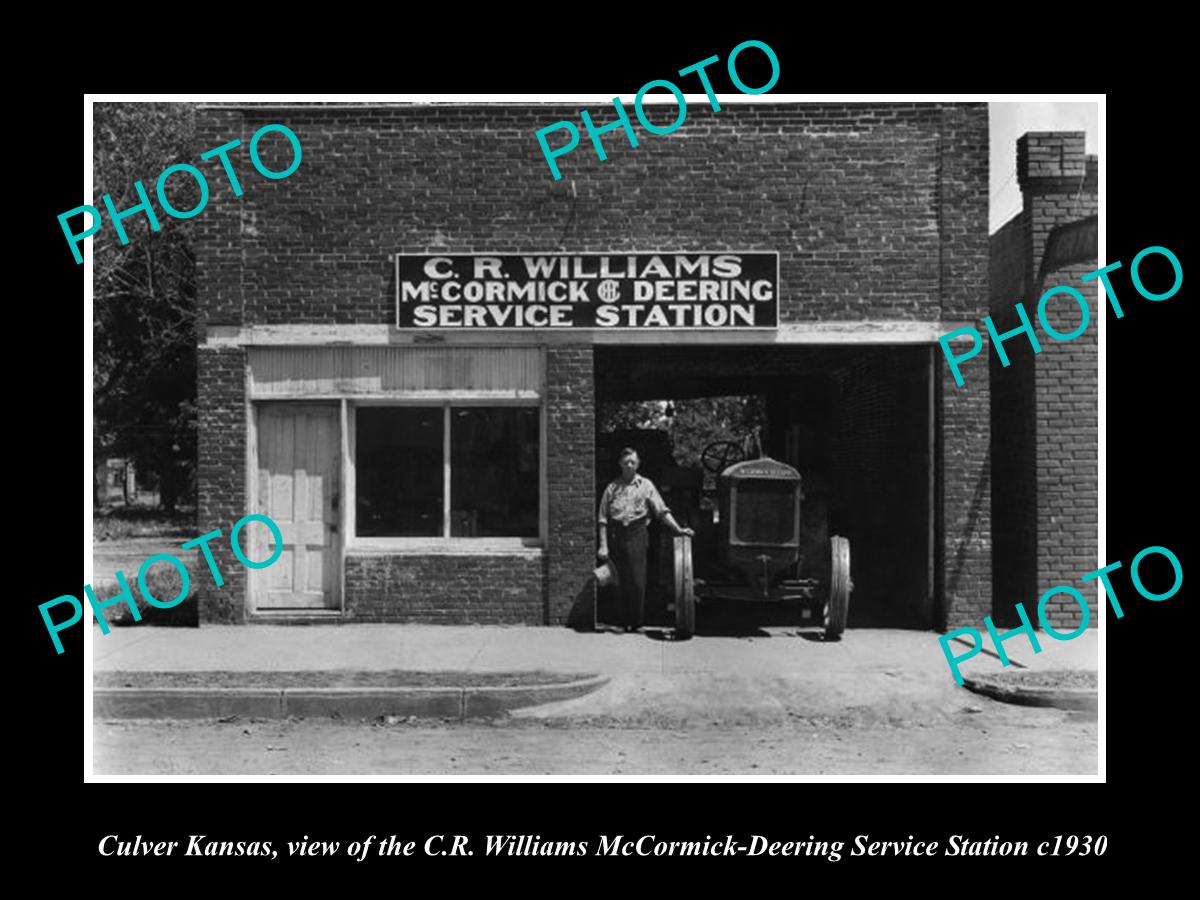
[(989, 739)]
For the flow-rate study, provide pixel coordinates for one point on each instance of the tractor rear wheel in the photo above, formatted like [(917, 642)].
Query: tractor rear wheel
[(684, 596), (837, 607)]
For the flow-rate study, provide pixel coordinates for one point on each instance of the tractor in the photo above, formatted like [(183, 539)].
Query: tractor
[(752, 544)]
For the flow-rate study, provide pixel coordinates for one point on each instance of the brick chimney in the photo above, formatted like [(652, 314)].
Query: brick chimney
[(1058, 183)]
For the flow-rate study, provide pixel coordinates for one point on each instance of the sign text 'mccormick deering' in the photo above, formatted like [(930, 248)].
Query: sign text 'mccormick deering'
[(637, 290)]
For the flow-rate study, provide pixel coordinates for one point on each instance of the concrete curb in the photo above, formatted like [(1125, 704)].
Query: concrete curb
[(1032, 696), (345, 702)]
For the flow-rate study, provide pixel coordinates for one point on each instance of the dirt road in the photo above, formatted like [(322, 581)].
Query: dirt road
[(988, 738)]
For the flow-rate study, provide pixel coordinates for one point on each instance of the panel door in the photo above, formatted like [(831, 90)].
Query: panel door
[(298, 484)]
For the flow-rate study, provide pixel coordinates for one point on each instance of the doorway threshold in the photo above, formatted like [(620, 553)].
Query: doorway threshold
[(295, 617)]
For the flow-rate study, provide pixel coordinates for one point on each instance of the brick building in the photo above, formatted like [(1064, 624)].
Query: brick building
[(447, 474), (1044, 404)]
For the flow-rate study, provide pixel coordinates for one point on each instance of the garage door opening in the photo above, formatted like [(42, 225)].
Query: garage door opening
[(855, 422)]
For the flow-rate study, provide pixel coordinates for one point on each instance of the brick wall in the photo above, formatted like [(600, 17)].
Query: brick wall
[(221, 475), (219, 229), (1014, 432), (965, 564), (1046, 403), (446, 589), (1067, 450), (964, 435), (221, 373), (570, 476)]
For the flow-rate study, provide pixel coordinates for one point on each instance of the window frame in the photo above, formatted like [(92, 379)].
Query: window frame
[(443, 543)]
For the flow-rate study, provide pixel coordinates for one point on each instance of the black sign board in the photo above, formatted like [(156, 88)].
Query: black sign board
[(708, 291)]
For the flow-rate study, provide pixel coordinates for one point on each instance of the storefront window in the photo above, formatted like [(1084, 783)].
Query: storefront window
[(493, 472), (491, 455), (399, 460)]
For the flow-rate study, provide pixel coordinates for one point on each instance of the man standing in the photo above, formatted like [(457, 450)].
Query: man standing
[(625, 511)]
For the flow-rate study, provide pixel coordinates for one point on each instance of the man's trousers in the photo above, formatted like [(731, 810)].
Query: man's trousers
[(627, 548)]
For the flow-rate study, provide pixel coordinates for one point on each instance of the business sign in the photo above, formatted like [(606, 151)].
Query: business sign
[(709, 291)]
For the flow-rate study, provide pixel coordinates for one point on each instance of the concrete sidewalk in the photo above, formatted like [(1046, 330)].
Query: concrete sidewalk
[(495, 648), (875, 673)]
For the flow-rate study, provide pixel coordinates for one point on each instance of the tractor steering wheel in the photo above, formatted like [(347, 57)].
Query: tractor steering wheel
[(719, 455)]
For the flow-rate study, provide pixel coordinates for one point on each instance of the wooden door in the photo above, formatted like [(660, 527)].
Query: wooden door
[(298, 486)]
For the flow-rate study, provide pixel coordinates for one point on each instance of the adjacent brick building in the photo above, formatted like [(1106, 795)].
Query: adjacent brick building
[(447, 474), (1044, 404)]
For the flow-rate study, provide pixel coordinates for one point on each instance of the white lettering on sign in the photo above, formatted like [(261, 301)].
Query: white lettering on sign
[(637, 290)]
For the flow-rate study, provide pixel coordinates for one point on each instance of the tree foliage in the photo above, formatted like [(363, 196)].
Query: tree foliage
[(144, 343), (692, 424)]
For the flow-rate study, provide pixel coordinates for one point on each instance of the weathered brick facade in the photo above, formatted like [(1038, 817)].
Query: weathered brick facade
[(221, 398), (1045, 404), (878, 213), (417, 588), (875, 211), (571, 442)]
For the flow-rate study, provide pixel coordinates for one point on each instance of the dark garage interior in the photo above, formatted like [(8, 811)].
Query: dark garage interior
[(855, 421)]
